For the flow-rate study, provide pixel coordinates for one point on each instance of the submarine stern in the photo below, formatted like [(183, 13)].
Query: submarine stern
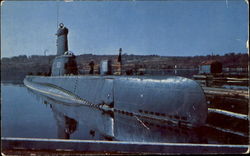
[(174, 98)]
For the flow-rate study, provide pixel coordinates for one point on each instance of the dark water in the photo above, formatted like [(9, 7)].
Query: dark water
[(23, 115), (28, 114)]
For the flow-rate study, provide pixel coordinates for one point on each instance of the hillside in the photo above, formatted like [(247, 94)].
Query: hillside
[(15, 68)]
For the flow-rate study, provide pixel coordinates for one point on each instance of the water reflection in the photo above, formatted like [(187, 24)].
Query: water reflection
[(66, 126), (83, 122), (80, 122)]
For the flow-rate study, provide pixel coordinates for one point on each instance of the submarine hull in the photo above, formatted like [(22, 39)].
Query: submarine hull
[(169, 98)]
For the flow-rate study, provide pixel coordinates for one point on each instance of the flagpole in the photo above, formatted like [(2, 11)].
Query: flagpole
[(120, 60)]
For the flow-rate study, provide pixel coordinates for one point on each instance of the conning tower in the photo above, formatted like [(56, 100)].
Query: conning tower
[(65, 62), (62, 39)]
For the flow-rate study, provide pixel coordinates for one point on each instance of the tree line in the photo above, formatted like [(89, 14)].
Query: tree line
[(17, 67)]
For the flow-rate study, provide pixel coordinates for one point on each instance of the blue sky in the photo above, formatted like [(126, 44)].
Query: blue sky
[(167, 28)]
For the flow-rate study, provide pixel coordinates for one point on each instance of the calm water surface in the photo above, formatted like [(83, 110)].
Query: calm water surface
[(23, 115)]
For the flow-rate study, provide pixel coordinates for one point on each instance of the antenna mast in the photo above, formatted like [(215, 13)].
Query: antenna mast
[(57, 13)]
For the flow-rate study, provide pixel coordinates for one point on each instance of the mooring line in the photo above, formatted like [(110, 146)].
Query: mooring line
[(141, 122)]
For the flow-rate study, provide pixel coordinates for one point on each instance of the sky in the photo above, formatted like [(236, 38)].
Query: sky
[(165, 28)]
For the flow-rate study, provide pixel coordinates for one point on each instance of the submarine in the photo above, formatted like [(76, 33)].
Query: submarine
[(72, 123), (174, 99)]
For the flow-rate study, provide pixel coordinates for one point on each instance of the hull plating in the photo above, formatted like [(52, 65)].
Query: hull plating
[(176, 99)]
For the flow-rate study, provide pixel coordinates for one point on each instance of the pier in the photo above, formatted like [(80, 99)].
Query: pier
[(227, 97), (60, 146)]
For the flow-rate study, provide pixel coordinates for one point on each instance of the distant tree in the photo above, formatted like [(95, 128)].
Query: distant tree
[(15, 58), (22, 56), (5, 59), (34, 56), (232, 54)]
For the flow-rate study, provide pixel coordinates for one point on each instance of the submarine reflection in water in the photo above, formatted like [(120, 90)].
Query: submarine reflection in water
[(76, 121)]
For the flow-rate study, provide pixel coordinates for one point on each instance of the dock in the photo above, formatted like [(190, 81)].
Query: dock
[(221, 79), (60, 146), (233, 93), (227, 108)]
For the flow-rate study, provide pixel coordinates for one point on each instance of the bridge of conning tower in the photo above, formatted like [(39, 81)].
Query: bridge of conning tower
[(65, 62), (62, 39)]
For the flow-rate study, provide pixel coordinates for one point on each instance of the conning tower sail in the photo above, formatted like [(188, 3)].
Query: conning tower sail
[(62, 39), (65, 62)]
